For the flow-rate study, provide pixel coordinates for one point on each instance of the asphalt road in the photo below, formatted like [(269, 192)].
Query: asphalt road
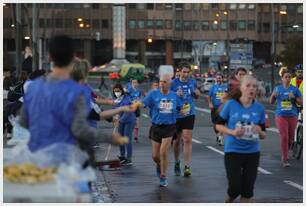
[(208, 183)]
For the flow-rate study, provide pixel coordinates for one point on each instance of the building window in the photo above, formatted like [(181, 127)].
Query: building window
[(59, 23), (233, 6), (187, 6), (132, 24), (141, 24), (215, 6), (223, 25), (68, 23), (104, 23), (159, 24), (259, 27), (132, 6), (205, 25), (150, 6), (266, 8), (251, 25), (242, 6), (205, 6), (283, 8), (178, 25), (96, 24), (95, 6), (179, 7), (150, 24), (196, 6), (214, 26), (187, 25), (266, 27), (196, 25), (168, 24), (49, 23), (300, 9), (251, 6), (106, 6), (159, 6), (222, 7), (140, 6), (233, 25), (241, 25), (41, 23), (168, 6)]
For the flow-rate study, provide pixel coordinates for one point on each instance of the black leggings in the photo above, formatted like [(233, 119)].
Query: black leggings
[(241, 171)]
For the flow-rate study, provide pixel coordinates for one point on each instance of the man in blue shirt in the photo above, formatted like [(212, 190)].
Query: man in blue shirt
[(135, 94), (186, 90), (163, 105), (214, 102)]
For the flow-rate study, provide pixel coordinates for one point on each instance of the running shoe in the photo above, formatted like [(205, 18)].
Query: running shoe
[(163, 181), (127, 162), (177, 168), (286, 164), (136, 139), (187, 171), (158, 172), (220, 140), (122, 159)]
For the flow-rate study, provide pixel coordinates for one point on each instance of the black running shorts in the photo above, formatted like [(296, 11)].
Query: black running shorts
[(185, 123), (158, 132)]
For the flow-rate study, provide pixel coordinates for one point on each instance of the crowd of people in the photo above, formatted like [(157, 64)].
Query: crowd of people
[(61, 107)]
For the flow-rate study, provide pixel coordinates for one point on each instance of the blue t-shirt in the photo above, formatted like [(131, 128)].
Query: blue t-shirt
[(187, 100), (284, 106), (134, 93), (125, 117), (234, 113), (216, 92), (163, 107)]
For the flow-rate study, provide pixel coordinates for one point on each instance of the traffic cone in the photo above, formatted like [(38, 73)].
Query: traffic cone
[(267, 120)]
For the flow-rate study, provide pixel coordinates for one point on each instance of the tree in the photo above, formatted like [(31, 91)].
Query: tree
[(293, 53)]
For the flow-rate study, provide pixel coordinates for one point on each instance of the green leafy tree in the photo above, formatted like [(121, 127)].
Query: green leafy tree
[(293, 53)]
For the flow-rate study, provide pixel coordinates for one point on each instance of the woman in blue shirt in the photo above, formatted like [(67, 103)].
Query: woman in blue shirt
[(242, 119), (286, 112), (126, 124)]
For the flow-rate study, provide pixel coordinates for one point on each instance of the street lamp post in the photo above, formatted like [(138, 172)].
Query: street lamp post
[(273, 46), (18, 40)]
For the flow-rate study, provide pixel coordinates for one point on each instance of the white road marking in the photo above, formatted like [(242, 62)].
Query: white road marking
[(145, 115), (272, 129), (222, 153), (196, 141), (293, 184)]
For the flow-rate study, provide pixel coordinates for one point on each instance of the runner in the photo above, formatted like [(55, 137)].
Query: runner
[(286, 112), (297, 81), (185, 88), (163, 104), (242, 119), (214, 102), (135, 94), (234, 82)]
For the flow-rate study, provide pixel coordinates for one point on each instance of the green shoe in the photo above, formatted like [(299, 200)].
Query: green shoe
[(187, 171), (177, 169)]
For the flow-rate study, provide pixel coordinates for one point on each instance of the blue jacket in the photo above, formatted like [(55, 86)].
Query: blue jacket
[(49, 111), (126, 117)]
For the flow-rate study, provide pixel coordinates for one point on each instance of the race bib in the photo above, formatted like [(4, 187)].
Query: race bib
[(248, 133), (165, 106), (286, 105), (219, 95), (186, 108)]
